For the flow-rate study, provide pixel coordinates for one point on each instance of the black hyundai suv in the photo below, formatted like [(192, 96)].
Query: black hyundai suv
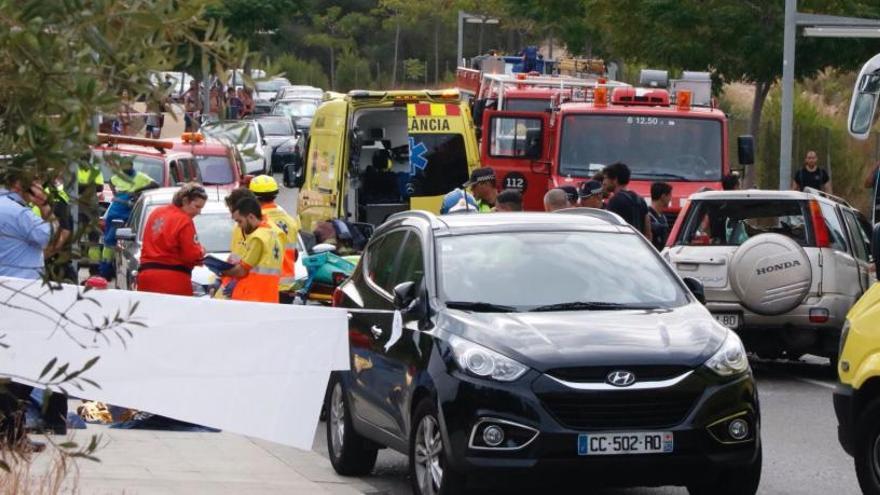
[(485, 342)]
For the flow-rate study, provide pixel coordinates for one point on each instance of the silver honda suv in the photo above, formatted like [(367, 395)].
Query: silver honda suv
[(781, 268)]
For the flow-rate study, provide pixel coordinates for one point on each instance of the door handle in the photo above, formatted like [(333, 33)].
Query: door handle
[(376, 331)]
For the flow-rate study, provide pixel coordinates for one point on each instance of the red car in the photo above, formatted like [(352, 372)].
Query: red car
[(219, 165)]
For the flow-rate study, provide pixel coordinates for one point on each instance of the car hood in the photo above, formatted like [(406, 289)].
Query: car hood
[(264, 95), (686, 336)]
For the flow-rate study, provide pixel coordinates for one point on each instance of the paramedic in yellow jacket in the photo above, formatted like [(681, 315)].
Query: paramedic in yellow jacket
[(265, 189), (258, 272), (237, 245)]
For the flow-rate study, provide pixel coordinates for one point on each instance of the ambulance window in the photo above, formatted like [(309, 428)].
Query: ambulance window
[(439, 164), (515, 137)]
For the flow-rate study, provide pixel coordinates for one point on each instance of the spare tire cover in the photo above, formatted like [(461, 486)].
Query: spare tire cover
[(771, 274)]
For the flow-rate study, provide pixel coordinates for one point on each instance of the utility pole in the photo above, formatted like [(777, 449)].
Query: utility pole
[(787, 95)]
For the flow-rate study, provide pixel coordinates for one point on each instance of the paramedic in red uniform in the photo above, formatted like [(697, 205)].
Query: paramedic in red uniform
[(171, 248)]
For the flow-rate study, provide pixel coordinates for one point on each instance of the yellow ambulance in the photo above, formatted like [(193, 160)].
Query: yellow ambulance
[(371, 154)]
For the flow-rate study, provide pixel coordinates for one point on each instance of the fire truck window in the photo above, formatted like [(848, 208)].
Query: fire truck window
[(515, 137)]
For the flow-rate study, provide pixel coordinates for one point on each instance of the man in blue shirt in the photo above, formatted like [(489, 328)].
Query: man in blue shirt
[(23, 234)]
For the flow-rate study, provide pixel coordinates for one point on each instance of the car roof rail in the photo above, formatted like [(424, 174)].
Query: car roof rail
[(595, 213), (425, 215), (817, 192)]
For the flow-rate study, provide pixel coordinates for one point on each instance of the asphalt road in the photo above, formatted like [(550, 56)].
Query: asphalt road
[(801, 453)]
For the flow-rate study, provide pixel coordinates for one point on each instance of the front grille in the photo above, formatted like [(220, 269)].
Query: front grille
[(598, 374), (619, 409)]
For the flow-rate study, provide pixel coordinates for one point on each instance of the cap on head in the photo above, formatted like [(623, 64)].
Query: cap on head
[(482, 174), (589, 189), (571, 192), (263, 184)]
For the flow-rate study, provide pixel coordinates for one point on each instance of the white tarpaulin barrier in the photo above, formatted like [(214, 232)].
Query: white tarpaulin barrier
[(255, 369)]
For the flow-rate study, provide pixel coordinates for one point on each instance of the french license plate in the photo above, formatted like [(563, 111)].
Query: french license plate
[(729, 320), (625, 443)]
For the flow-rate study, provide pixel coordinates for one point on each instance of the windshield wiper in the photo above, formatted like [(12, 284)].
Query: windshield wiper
[(481, 307), (589, 305), (654, 175)]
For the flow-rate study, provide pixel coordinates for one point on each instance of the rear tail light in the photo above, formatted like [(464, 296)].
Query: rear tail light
[(819, 315), (336, 301), (819, 227)]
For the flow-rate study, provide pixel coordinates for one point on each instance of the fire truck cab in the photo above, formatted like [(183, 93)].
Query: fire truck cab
[(676, 136)]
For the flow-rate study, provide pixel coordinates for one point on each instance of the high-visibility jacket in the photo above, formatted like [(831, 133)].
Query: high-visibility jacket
[(262, 260), (89, 176), (289, 227)]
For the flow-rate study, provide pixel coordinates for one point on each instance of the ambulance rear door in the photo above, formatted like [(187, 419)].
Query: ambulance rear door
[(320, 196)]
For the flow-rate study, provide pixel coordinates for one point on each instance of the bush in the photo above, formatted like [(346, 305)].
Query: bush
[(299, 71), (352, 72)]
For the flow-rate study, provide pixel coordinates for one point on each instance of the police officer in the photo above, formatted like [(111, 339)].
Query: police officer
[(258, 273), (265, 189), (126, 185), (482, 185)]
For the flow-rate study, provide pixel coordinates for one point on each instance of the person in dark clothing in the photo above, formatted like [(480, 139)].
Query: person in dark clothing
[(509, 200), (811, 175), (629, 205), (661, 196)]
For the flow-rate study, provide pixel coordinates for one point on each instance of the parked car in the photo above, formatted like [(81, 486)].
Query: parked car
[(283, 139), (213, 226), (265, 93), (538, 340), (299, 91), (781, 268), (300, 111), (220, 164), (247, 137)]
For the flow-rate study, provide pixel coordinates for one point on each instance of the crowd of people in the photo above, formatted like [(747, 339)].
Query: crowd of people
[(608, 190), (223, 104)]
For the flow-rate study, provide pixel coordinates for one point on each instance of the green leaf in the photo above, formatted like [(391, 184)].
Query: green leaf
[(48, 367), (60, 371)]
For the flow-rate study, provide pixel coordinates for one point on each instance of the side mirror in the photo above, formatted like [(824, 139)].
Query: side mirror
[(696, 288), (323, 248), (404, 295), (863, 105), (263, 141), (745, 149), (125, 234), (117, 223)]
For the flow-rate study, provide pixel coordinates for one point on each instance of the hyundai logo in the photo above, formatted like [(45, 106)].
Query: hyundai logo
[(621, 378)]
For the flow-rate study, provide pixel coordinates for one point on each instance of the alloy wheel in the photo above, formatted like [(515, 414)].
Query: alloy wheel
[(337, 420), (428, 452)]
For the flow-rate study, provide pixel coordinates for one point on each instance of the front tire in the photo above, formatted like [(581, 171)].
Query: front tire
[(867, 449), (739, 481), (350, 454), (428, 469)]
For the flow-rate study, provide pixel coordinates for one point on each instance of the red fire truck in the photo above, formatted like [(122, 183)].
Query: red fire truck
[(676, 136)]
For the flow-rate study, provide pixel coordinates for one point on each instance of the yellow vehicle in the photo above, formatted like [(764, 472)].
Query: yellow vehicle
[(857, 396), (371, 154)]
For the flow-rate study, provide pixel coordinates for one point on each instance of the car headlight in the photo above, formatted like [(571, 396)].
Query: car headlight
[(731, 358), (484, 363), (844, 333)]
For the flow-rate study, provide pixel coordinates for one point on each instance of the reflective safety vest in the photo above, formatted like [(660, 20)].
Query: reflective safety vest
[(262, 260), (289, 228), (126, 186), (89, 176), (483, 207)]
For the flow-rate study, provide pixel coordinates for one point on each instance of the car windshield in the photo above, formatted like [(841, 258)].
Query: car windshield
[(654, 147), (109, 163), (733, 222), (276, 127), (215, 170), (527, 104), (214, 231), (232, 132), (296, 108), (273, 85), (528, 270)]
